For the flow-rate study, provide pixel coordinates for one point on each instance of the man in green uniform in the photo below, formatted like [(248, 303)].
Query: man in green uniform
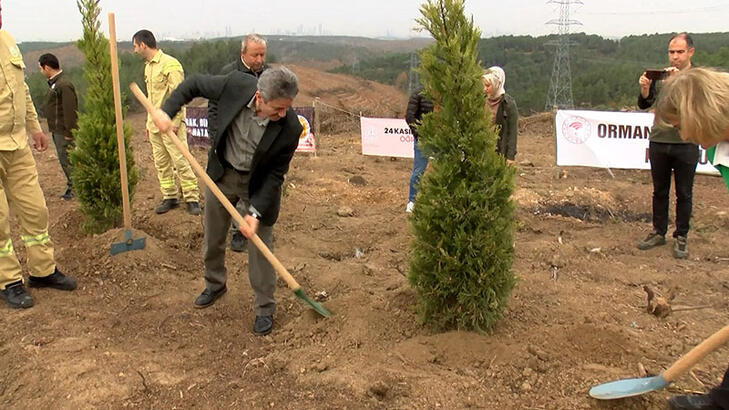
[(19, 187), (162, 74)]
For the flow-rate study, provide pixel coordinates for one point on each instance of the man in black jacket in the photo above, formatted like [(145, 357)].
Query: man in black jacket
[(61, 109), (248, 158), (669, 154), (418, 105), (252, 61), (252, 57)]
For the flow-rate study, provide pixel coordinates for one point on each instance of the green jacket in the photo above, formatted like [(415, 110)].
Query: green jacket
[(61, 106), (507, 116)]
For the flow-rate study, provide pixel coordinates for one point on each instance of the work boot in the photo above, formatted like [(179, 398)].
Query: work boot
[(166, 205), (193, 208), (263, 325), (652, 240), (237, 242), (16, 296), (679, 248), (699, 402), (55, 280), (68, 195)]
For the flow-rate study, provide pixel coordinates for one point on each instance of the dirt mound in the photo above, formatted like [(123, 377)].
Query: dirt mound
[(129, 335), (349, 93)]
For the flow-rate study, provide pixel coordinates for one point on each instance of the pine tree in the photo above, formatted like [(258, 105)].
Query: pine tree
[(462, 251), (95, 177)]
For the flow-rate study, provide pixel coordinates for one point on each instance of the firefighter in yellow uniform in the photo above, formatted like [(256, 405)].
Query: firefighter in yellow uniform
[(162, 74), (19, 187)]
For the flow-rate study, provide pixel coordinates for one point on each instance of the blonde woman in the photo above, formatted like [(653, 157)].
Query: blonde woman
[(696, 102), (504, 114)]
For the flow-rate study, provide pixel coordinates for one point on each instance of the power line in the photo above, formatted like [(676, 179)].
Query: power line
[(560, 87)]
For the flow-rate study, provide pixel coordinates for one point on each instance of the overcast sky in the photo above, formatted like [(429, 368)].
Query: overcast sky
[(59, 20)]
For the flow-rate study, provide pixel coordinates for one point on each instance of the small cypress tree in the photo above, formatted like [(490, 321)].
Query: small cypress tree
[(462, 251), (96, 177)]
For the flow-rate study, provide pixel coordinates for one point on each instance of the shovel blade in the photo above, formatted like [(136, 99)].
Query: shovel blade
[(628, 387), (315, 305), (129, 244)]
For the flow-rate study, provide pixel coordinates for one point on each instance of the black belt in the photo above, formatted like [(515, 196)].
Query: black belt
[(230, 166)]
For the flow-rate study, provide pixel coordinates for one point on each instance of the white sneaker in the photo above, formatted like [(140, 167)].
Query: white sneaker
[(409, 207)]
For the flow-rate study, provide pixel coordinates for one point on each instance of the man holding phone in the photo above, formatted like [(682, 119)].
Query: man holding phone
[(669, 154)]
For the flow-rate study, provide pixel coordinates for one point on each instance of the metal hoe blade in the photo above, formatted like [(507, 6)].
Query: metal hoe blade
[(129, 244), (628, 387), (316, 305)]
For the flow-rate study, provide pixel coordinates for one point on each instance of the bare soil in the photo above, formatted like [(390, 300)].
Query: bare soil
[(130, 337)]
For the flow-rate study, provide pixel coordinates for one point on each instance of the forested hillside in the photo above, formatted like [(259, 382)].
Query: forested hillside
[(604, 72)]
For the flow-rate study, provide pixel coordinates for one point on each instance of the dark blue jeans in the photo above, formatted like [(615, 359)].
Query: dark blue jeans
[(681, 160), (419, 163)]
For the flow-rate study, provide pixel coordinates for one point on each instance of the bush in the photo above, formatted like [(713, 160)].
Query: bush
[(463, 225)]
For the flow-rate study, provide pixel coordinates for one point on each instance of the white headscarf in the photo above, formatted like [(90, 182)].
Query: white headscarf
[(496, 77)]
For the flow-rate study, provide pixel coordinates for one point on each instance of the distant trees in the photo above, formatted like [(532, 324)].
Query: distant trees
[(604, 71)]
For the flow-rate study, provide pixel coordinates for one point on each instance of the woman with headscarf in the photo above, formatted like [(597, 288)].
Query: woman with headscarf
[(504, 114)]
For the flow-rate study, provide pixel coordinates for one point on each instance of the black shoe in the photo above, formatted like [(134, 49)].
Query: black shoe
[(208, 297), (193, 208), (238, 242), (166, 205), (700, 402), (16, 296), (55, 280), (68, 195), (263, 325)]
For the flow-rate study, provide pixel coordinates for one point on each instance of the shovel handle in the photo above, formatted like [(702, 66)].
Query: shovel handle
[(686, 362), (280, 269)]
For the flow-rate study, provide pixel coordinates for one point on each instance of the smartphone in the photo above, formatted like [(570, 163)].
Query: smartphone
[(656, 74)]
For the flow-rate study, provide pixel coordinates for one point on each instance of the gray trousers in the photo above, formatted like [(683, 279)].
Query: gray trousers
[(242, 207), (217, 222), (62, 148)]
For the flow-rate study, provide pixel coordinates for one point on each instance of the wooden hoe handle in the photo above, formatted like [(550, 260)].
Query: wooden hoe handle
[(686, 362), (119, 123)]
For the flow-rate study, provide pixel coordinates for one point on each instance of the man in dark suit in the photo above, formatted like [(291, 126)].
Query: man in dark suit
[(248, 158), (252, 60), (252, 57)]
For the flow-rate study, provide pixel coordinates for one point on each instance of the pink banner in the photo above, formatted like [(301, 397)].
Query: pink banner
[(388, 137)]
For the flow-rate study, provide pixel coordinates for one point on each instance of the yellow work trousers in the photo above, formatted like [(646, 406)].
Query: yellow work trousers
[(21, 193), (167, 160)]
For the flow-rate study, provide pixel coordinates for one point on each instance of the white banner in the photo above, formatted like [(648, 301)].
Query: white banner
[(389, 137), (608, 139)]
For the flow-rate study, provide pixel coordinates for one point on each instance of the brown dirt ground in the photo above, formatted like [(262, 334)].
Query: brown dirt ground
[(129, 336)]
